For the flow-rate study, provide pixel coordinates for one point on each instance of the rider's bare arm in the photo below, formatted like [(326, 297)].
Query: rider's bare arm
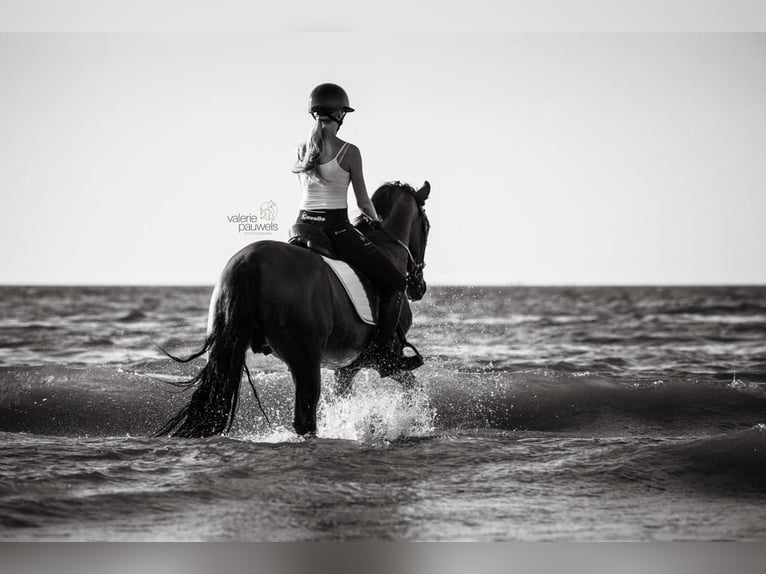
[(353, 164)]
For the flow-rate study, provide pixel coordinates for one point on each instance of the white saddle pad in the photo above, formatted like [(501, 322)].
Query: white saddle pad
[(354, 288)]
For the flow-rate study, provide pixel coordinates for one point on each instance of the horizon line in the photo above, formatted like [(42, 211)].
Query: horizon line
[(487, 285)]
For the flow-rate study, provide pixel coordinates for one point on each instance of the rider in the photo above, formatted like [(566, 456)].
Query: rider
[(326, 164)]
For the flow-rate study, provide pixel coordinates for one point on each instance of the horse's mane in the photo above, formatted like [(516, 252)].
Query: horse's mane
[(384, 197)]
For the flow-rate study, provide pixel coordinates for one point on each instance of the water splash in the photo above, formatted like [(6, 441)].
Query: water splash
[(752, 388), (376, 411)]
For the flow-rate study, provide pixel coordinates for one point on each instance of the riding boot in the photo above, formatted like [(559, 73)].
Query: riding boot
[(388, 362)]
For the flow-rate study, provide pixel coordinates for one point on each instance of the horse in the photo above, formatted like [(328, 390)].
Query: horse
[(274, 297)]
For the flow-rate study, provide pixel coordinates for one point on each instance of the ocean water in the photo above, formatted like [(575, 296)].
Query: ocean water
[(541, 414)]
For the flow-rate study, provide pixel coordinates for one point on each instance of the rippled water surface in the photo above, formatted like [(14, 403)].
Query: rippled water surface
[(543, 414)]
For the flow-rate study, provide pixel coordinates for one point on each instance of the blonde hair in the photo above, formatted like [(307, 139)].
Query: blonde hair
[(310, 152)]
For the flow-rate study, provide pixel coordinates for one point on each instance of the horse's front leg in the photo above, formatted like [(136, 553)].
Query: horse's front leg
[(308, 385), (344, 377)]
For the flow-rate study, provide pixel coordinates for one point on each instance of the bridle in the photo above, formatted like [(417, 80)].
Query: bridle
[(416, 284)]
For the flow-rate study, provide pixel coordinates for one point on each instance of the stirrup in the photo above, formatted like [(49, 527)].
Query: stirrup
[(405, 343), (388, 363)]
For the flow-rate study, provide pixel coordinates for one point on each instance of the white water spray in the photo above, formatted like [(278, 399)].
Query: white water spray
[(378, 410)]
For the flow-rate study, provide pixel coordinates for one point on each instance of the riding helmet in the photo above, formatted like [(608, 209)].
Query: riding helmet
[(329, 98)]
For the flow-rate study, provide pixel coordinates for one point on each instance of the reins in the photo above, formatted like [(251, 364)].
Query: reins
[(414, 267), (410, 258)]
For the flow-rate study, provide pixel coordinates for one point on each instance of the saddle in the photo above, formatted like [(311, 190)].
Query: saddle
[(358, 286), (307, 236)]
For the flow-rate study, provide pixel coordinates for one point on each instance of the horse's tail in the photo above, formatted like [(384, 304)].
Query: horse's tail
[(213, 404)]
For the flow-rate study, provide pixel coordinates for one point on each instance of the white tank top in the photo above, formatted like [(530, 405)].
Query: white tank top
[(330, 192)]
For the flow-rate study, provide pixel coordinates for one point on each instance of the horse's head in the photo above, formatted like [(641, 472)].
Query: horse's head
[(403, 211)]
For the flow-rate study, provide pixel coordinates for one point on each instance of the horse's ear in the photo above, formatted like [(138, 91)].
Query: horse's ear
[(422, 194)]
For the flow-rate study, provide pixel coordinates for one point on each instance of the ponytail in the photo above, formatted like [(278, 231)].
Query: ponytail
[(309, 153)]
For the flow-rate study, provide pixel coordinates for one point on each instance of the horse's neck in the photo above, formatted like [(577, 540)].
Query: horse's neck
[(399, 221), (398, 225)]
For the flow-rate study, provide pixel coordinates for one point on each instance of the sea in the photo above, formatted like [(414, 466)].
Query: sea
[(541, 414)]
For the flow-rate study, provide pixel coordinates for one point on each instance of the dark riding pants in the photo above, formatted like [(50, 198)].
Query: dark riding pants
[(355, 248)]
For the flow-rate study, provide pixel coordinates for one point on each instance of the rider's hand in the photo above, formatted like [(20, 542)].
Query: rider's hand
[(365, 221)]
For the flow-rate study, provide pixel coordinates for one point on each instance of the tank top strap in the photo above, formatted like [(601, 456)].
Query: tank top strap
[(341, 152)]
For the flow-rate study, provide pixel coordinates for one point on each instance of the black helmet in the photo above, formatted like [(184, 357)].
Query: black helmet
[(329, 99)]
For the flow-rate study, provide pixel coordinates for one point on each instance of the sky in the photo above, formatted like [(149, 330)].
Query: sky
[(554, 159)]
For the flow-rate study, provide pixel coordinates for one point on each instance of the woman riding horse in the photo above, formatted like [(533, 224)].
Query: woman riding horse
[(326, 164), (273, 297)]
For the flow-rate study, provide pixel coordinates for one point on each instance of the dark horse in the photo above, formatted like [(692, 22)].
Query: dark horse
[(281, 298)]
